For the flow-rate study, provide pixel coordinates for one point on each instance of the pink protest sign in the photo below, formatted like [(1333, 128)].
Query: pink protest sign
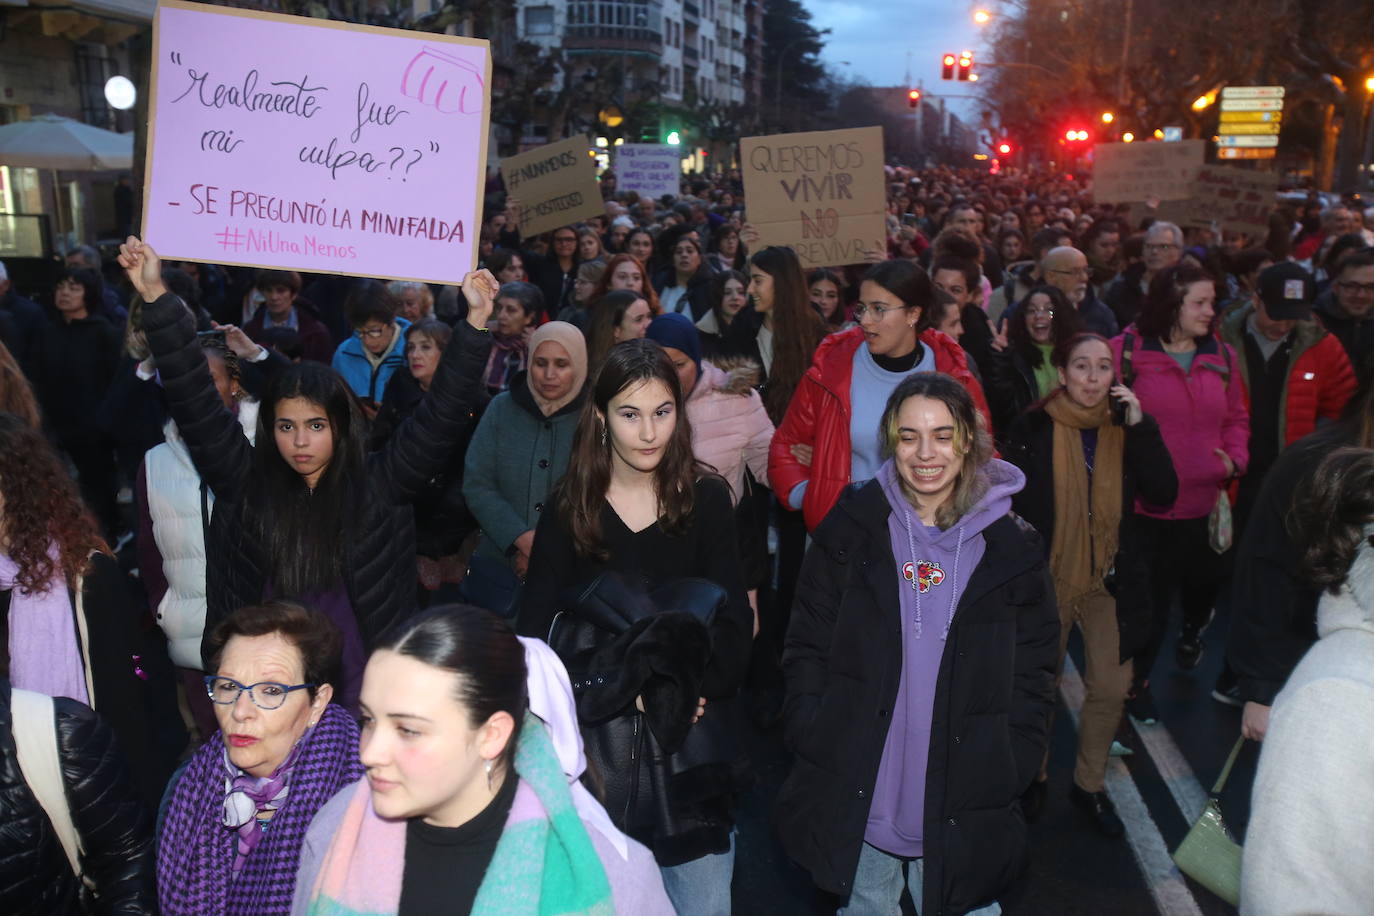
[(314, 145)]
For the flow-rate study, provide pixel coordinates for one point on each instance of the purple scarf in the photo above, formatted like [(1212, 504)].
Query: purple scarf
[(44, 655), (197, 867), (245, 797)]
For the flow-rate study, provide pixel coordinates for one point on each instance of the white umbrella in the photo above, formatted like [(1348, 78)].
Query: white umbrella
[(53, 142)]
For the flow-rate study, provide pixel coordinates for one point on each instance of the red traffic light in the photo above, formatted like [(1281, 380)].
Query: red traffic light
[(947, 67), (1075, 135), (965, 69), (913, 98), (1004, 148)]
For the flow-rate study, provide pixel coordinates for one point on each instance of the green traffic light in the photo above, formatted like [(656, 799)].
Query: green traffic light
[(674, 138)]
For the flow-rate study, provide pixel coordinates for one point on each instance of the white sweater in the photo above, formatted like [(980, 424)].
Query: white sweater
[(1308, 845)]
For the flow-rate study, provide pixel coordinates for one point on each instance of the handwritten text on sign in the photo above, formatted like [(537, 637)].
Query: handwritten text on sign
[(315, 145), (821, 193), (555, 184), (1129, 172), (652, 169)]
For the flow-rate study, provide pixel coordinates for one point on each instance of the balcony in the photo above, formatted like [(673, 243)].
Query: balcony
[(691, 55), (614, 25), (690, 12)]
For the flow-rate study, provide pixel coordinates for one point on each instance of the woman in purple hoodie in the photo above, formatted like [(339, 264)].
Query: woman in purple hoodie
[(920, 671)]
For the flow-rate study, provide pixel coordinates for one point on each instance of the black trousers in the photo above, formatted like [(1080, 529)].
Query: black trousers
[(1183, 567), (94, 459)]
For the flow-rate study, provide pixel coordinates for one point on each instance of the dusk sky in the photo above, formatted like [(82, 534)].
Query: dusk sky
[(875, 36)]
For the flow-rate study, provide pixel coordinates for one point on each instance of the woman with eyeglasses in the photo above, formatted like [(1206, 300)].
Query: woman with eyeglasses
[(1020, 371), (235, 819), (377, 348), (306, 512), (829, 436)]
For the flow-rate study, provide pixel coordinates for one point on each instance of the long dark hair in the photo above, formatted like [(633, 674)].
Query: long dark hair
[(484, 653), (1064, 324), (582, 491), (797, 327), (607, 313), (1330, 513), (1159, 313), (305, 533)]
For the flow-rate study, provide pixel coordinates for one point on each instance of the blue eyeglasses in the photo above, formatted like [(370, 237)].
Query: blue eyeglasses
[(264, 694)]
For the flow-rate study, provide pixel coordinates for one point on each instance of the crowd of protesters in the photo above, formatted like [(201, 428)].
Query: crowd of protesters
[(270, 539)]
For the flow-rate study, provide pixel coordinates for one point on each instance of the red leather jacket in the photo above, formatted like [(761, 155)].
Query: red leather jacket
[(819, 417)]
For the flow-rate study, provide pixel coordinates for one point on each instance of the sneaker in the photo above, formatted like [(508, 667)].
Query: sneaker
[(1140, 705), (1100, 808), (1120, 750)]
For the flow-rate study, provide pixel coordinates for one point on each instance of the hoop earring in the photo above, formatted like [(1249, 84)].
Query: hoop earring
[(489, 769)]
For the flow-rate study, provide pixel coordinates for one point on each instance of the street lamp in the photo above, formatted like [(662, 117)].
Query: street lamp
[(1108, 117), (1201, 102), (1128, 137), (982, 17), (120, 93)]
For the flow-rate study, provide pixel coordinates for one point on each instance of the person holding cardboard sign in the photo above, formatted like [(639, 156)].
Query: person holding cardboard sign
[(307, 513)]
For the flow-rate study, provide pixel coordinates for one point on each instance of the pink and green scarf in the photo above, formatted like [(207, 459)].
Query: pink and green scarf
[(544, 864)]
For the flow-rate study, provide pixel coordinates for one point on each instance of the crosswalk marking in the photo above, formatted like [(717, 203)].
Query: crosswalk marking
[(1166, 883)]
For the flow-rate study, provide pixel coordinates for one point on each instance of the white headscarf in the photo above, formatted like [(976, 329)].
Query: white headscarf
[(551, 699)]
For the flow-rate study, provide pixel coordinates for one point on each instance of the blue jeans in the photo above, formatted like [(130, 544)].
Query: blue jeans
[(701, 887), (878, 886)]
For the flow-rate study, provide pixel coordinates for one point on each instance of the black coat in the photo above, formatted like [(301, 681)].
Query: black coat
[(1147, 471), (990, 727), (74, 366), (698, 294), (1273, 605), (380, 565), (114, 825), (26, 321), (1010, 386), (442, 518)]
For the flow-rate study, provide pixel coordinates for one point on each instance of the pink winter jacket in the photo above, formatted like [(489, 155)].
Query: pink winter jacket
[(1198, 412), (730, 428)]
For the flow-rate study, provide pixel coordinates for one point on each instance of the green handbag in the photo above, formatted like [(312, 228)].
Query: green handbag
[(1208, 854)]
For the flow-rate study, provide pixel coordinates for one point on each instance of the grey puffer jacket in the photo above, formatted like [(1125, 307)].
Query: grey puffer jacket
[(115, 828)]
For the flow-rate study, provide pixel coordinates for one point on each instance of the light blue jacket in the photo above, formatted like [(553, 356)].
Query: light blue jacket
[(350, 361)]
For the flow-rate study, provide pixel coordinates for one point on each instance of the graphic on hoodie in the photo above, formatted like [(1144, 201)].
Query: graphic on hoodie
[(923, 574)]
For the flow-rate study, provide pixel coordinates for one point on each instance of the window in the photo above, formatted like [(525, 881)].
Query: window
[(539, 20)]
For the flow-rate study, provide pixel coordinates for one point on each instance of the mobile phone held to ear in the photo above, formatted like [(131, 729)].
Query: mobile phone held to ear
[(1118, 410)]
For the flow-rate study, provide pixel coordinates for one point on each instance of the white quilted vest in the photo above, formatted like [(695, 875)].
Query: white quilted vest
[(174, 505)]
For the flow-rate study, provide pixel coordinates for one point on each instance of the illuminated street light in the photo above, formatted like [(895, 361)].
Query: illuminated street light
[(982, 17), (1159, 134), (1128, 137), (120, 93), (1108, 117), (1369, 84), (973, 77), (1202, 101)]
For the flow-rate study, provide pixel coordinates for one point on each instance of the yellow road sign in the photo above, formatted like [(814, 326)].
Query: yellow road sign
[(1231, 128), (1241, 117)]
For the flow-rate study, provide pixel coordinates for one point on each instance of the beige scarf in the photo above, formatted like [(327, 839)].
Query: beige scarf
[(571, 340), (1086, 525)]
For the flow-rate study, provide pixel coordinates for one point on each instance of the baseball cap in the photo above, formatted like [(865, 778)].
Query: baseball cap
[(1287, 290)]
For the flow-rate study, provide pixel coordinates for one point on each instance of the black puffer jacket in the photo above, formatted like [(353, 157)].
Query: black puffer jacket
[(380, 566), (115, 828), (990, 723), (1147, 471)]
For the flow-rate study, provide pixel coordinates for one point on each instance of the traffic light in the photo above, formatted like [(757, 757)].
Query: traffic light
[(965, 66), (1075, 135), (1004, 148), (947, 67), (913, 98), (674, 138)]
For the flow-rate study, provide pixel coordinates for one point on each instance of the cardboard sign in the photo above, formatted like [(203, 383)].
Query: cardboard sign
[(1128, 172), (555, 184), (1239, 200), (821, 193), (307, 144), (652, 169)]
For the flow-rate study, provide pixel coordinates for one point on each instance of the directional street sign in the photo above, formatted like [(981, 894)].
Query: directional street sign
[(1232, 152), (1240, 117), (1252, 92), (1173, 134), (1224, 140), (1271, 128), (1252, 104)]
